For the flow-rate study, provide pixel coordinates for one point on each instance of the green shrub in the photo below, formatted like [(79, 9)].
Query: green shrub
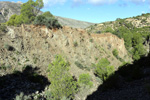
[(62, 83), (103, 70), (15, 20), (2, 66), (18, 20), (75, 44), (52, 23), (49, 22), (11, 21), (29, 11), (22, 97), (85, 80), (40, 20), (3, 28), (91, 40), (115, 53), (79, 65), (108, 29)]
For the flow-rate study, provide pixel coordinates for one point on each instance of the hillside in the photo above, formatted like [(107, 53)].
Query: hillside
[(37, 46), (75, 61), (9, 8), (135, 31), (138, 22)]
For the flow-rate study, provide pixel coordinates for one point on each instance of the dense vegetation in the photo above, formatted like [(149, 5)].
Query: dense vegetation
[(134, 36), (50, 22), (29, 11), (29, 15)]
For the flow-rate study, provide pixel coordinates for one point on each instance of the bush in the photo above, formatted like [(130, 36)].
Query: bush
[(75, 44), (11, 21), (108, 29), (18, 20), (78, 64), (3, 28), (49, 22), (15, 20), (85, 80), (115, 53), (52, 23), (40, 20), (103, 70), (62, 83), (91, 40)]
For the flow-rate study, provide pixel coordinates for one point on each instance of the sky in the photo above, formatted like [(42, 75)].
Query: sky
[(95, 11)]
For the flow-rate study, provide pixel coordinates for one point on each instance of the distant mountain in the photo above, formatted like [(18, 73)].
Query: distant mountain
[(73, 23), (9, 8)]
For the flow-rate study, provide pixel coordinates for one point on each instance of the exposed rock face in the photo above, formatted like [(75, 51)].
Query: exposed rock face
[(9, 8), (37, 46)]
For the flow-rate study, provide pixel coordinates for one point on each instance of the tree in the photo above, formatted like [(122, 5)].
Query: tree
[(138, 48), (18, 20), (29, 11), (103, 70), (62, 83), (38, 5), (47, 14), (128, 40), (12, 20)]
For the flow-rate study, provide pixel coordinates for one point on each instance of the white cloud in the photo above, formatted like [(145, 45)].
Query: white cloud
[(53, 2), (93, 2), (101, 2), (136, 1)]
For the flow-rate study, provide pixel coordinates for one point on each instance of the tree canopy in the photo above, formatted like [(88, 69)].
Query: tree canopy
[(62, 83), (29, 11)]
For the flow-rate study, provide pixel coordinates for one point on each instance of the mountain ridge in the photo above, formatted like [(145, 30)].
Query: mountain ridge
[(9, 8)]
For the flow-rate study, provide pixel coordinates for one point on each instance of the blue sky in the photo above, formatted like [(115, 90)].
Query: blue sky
[(95, 11)]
